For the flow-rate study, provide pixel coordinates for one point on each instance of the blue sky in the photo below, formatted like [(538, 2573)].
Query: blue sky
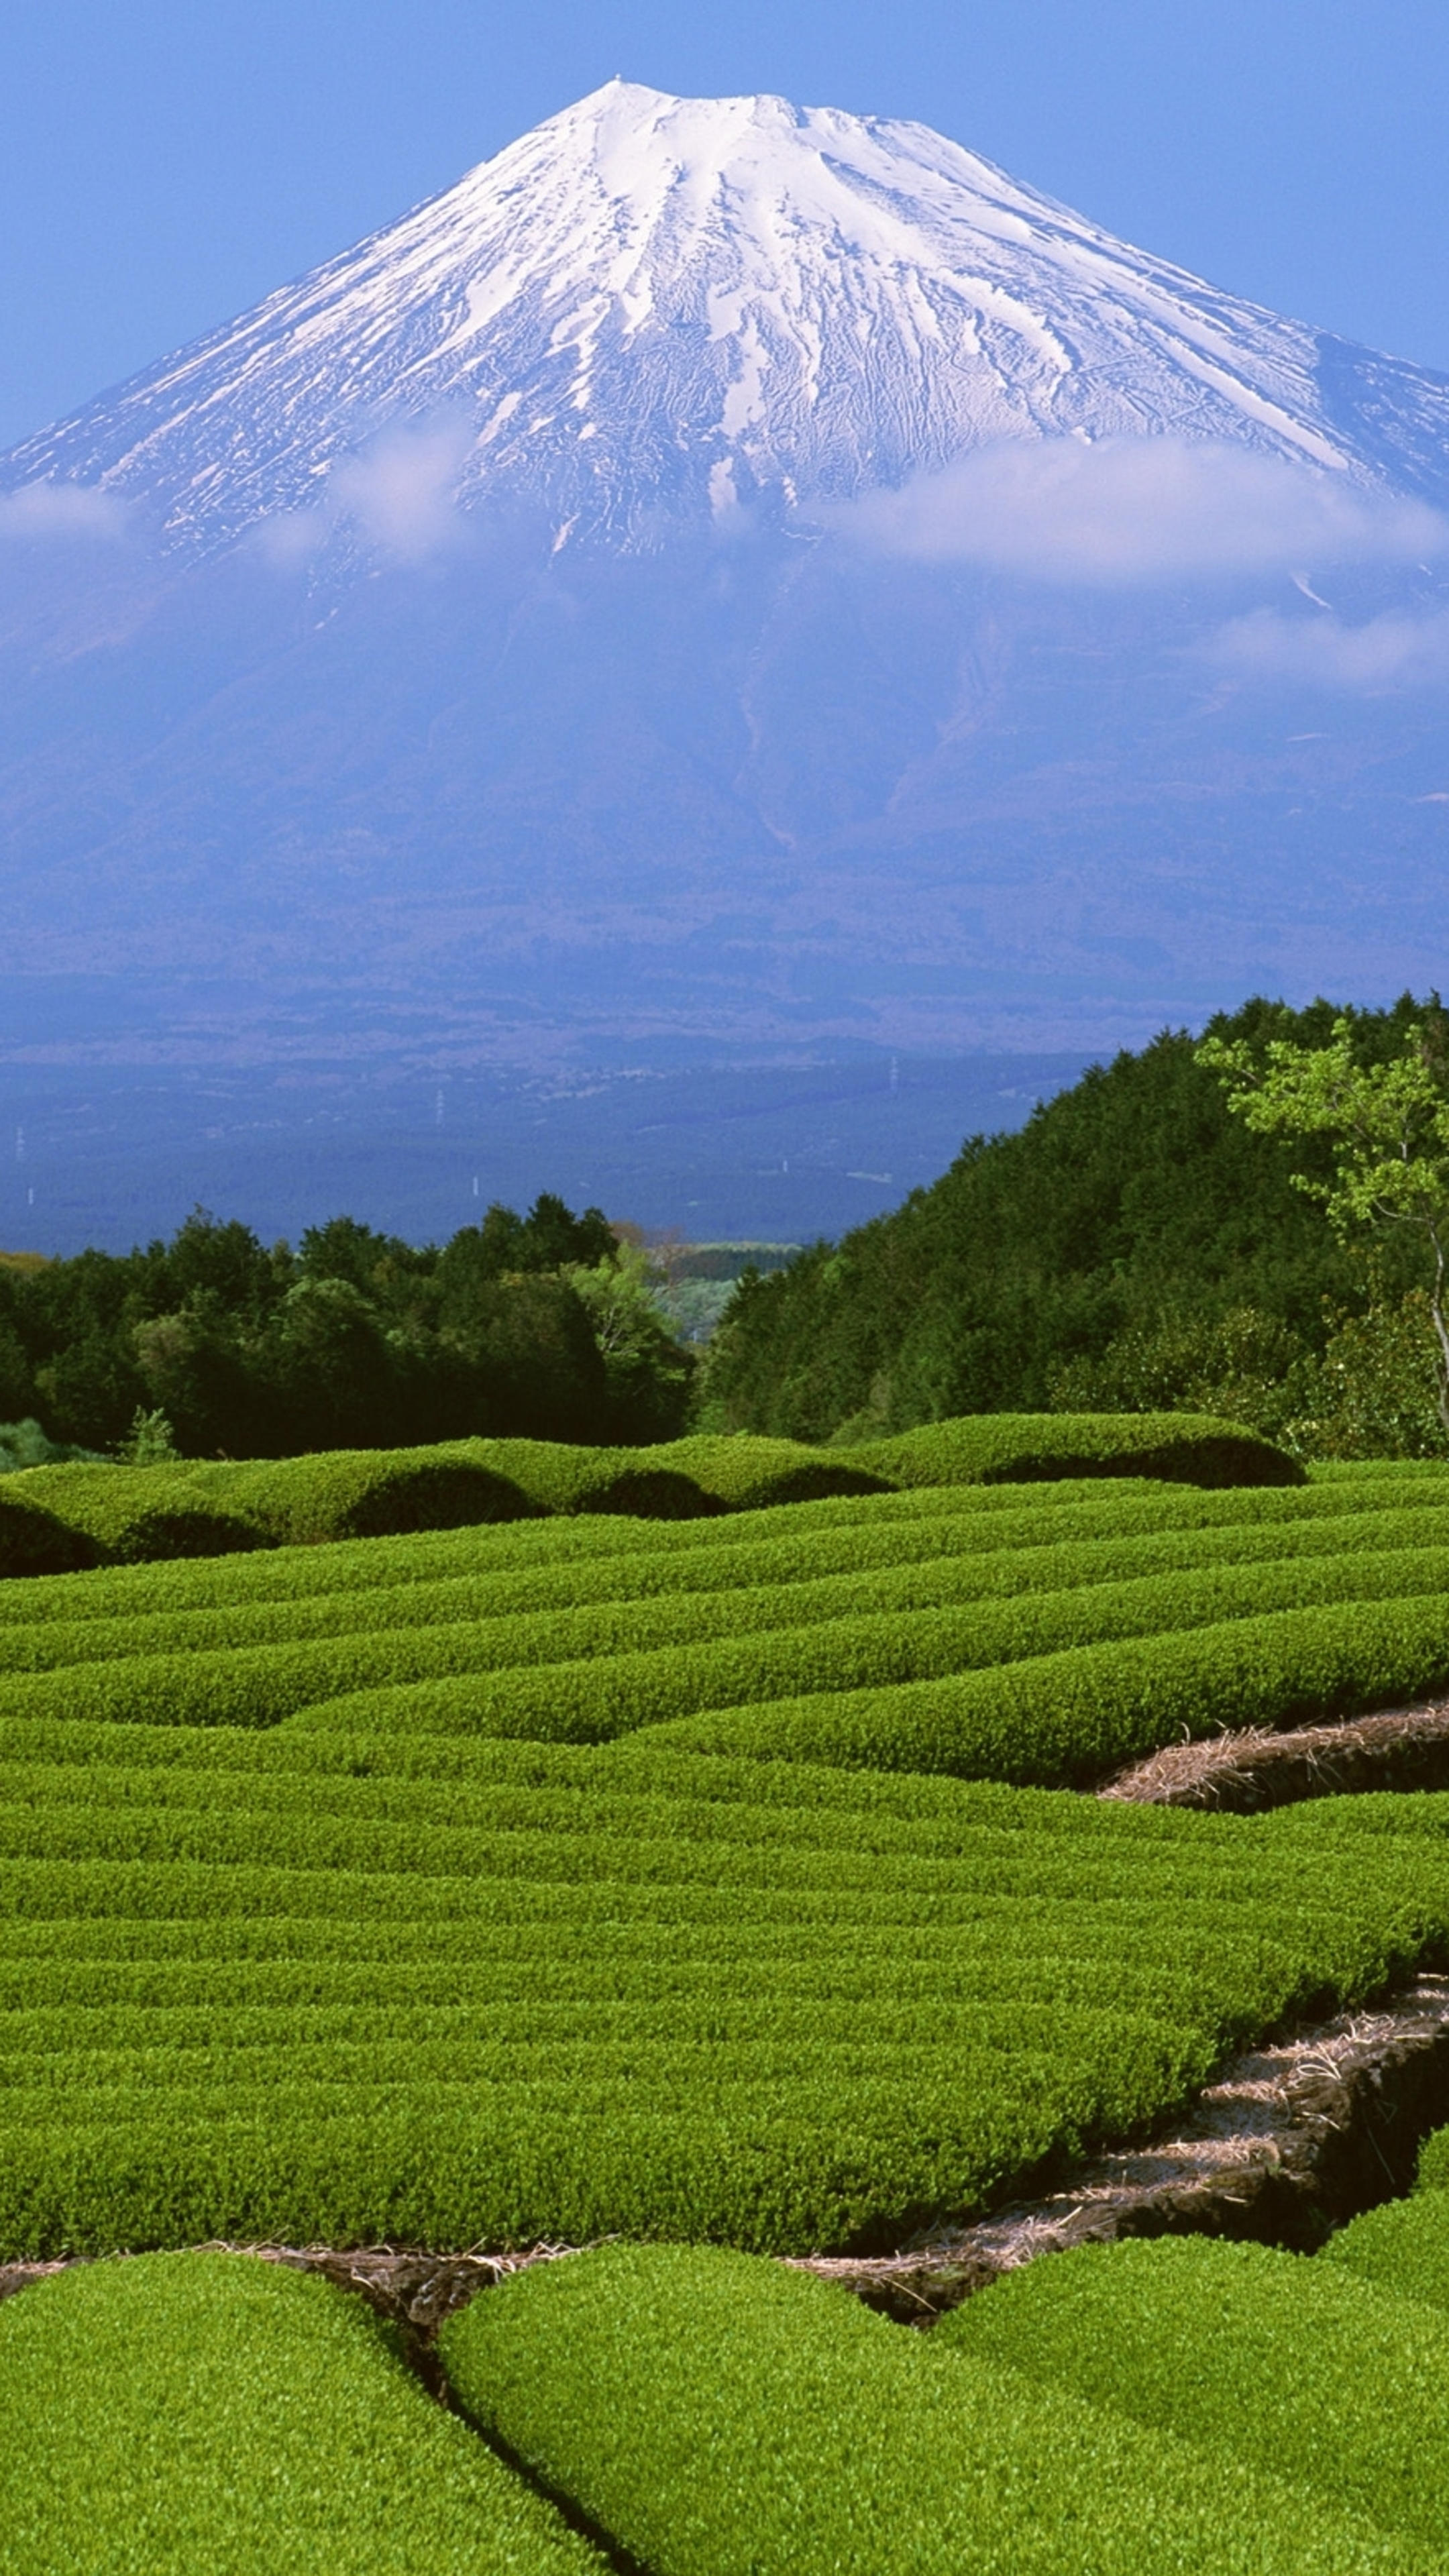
[(164, 165)]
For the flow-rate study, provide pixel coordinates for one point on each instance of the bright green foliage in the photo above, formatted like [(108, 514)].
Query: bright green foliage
[(721, 2417), (1072, 1716), (910, 1564), (983, 1516), (1011, 1690), (291, 1989), (354, 1978), (890, 1631), (1264, 2358), (189, 1507), (1386, 1121), (1403, 2245), (190, 2413), (1434, 2162), (584, 1676)]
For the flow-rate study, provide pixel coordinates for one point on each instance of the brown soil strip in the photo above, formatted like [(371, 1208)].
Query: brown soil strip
[(417, 2290), (1239, 1773), (1292, 2140)]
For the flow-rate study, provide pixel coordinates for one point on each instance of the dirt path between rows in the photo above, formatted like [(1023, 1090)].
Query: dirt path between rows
[(1244, 1771), (1291, 2140)]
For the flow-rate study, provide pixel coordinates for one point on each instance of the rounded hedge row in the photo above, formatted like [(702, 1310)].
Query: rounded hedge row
[(522, 1996), (188, 2413), (723, 2417), (192, 1507), (1290, 2367)]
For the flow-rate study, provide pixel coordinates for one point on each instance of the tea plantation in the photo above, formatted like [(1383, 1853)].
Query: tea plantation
[(693, 1847)]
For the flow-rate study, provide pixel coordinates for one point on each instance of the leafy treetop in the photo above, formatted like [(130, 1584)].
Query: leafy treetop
[(1386, 1122)]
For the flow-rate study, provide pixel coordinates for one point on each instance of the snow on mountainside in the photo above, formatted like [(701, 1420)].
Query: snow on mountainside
[(692, 302)]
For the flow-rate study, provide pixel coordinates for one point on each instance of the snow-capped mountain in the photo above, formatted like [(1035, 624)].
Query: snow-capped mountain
[(632, 761), (695, 302)]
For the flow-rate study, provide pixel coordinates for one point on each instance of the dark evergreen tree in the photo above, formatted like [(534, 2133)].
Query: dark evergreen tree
[(1132, 1202)]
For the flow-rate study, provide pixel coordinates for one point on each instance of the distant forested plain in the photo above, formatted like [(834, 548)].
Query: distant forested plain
[(1133, 1248)]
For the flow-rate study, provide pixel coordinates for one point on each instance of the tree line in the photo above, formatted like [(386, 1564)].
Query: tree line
[(544, 1325), (1143, 1243), (1255, 1224)]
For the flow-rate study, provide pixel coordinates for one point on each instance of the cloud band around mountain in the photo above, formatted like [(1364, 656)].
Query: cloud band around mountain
[(1135, 510), (1396, 651), (42, 511)]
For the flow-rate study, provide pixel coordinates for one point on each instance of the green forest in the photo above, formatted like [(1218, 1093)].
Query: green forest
[(1134, 1246), (542, 1326)]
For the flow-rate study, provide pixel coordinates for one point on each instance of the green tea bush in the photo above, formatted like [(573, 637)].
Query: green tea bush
[(775, 1582), (34, 1541), (1402, 2246), (102, 1502), (1029, 1448), (1434, 2160), (156, 1536), (1012, 1690), (1266, 2359), (440, 1992), (188, 2412), (1069, 1718), (983, 1515), (722, 2417), (745, 1472), (339, 1494), (369, 1493)]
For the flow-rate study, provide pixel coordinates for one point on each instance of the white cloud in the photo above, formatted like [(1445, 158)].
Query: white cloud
[(62, 510), (400, 492), (1396, 651), (289, 537), (1137, 510)]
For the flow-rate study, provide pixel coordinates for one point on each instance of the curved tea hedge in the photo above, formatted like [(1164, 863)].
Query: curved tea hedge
[(1434, 2162), (53, 1519), (1290, 2367), (584, 1676), (1042, 1641), (1071, 1717), (721, 2417), (295, 1947), (184, 2413), (1040, 1448), (779, 1581), (276, 1988), (997, 1690), (1401, 2246), (991, 1516)]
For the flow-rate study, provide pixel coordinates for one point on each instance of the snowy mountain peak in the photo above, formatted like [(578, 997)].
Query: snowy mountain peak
[(651, 301)]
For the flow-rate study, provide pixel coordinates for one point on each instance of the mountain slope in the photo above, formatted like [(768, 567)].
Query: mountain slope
[(474, 652), (693, 301)]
